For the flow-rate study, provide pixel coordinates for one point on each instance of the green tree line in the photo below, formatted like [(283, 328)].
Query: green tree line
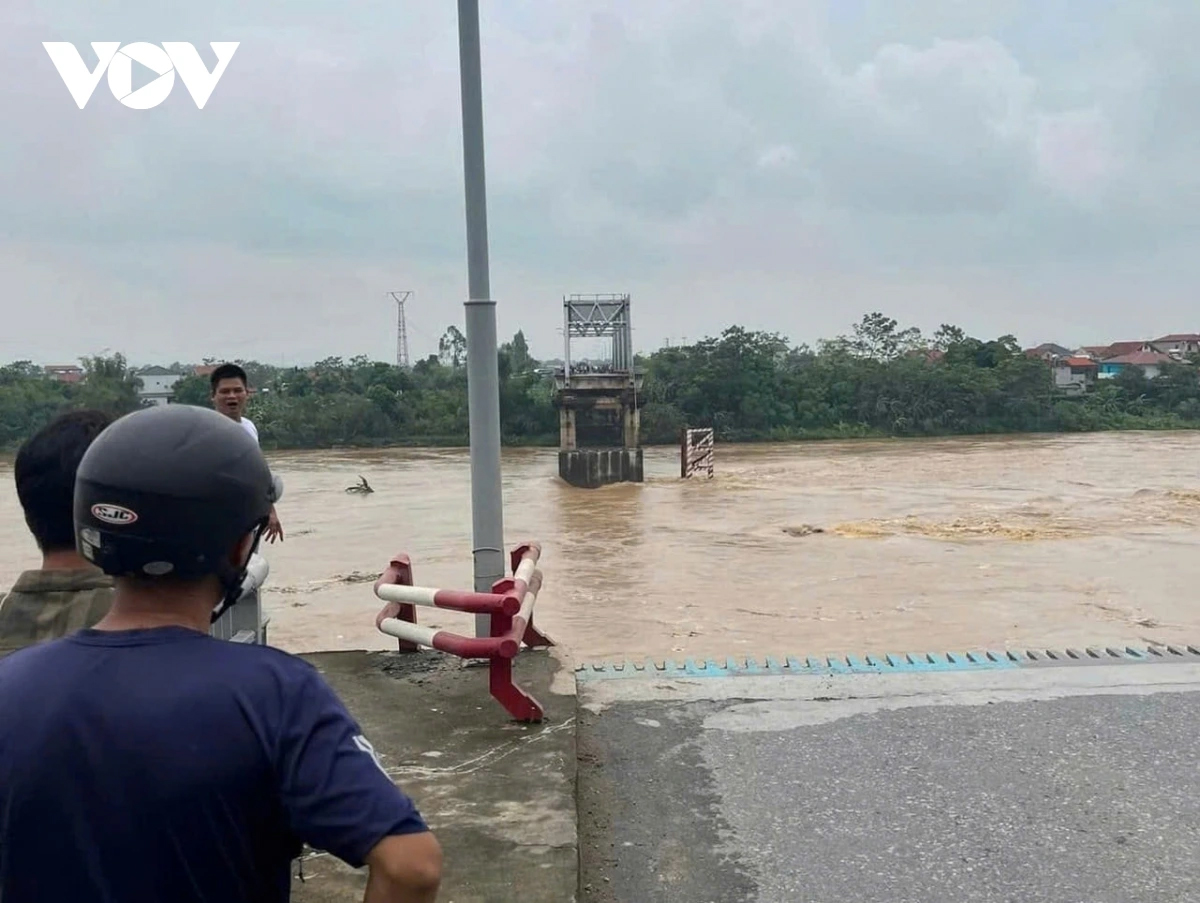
[(880, 380)]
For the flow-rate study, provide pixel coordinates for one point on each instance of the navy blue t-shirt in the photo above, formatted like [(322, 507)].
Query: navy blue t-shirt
[(166, 766)]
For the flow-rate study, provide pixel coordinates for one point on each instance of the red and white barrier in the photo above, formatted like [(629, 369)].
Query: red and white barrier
[(509, 604)]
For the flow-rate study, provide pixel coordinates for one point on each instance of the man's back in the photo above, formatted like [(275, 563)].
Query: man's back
[(46, 604), (165, 765)]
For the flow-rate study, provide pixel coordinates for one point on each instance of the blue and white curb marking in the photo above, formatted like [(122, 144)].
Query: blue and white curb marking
[(890, 663)]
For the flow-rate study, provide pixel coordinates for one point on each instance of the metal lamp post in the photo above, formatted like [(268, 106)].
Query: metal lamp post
[(483, 377)]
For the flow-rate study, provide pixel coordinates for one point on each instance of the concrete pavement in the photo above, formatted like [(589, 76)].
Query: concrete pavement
[(991, 777), (996, 784), (500, 796)]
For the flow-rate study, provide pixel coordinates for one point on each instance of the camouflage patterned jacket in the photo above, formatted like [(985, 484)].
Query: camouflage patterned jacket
[(44, 605)]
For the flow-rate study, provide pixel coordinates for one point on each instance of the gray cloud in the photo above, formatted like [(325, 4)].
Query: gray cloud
[(1010, 165)]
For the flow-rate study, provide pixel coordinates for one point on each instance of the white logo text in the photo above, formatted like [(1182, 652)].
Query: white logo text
[(118, 60), (114, 514), (364, 745)]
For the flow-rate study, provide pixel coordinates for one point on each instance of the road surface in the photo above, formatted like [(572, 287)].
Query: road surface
[(1065, 784)]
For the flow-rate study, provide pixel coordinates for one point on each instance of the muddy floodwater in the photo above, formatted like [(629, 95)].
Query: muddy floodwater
[(865, 546)]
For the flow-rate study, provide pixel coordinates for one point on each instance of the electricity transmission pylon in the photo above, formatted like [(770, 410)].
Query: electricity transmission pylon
[(401, 328)]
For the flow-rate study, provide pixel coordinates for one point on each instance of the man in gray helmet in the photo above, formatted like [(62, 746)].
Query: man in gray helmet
[(145, 761)]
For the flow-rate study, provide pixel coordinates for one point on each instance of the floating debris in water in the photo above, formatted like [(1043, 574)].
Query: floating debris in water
[(959, 528), (318, 585), (803, 530)]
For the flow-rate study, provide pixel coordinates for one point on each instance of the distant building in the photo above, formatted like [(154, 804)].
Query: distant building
[(1149, 362), (156, 385), (1181, 344), (64, 373), (1074, 375), (1048, 351), (1120, 349)]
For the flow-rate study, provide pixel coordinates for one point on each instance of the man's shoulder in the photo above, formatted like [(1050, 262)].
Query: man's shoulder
[(39, 580), (43, 605), (18, 657), (281, 682), (262, 672), (257, 655), (286, 671), (253, 656)]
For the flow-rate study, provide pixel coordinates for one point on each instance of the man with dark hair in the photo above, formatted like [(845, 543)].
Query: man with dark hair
[(144, 760), (230, 395), (68, 592)]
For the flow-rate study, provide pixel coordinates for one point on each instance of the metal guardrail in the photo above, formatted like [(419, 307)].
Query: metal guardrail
[(509, 604)]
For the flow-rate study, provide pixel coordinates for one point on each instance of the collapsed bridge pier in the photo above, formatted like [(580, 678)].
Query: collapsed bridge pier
[(599, 404)]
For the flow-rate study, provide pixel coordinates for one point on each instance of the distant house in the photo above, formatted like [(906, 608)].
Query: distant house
[(1119, 349), (1048, 351), (1181, 344), (204, 370), (156, 385), (64, 373), (1074, 375), (1150, 363), (1094, 352)]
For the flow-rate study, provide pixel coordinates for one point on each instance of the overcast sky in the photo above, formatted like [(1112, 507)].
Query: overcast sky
[(1024, 166)]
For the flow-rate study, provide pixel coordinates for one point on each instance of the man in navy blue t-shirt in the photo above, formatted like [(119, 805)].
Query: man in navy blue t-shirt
[(144, 761)]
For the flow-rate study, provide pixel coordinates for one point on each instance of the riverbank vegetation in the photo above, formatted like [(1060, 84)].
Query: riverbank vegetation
[(880, 380)]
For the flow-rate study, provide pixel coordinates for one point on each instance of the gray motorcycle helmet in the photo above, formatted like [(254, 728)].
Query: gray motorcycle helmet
[(172, 490)]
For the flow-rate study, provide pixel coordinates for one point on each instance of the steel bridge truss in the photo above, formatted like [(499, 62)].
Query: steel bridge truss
[(599, 316)]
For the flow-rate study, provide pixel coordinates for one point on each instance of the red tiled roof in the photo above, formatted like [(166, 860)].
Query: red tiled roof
[(65, 373), (1078, 362), (1180, 337), (1117, 348), (1140, 358), (204, 369)]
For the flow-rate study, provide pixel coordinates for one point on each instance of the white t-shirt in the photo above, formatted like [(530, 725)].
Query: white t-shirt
[(248, 425)]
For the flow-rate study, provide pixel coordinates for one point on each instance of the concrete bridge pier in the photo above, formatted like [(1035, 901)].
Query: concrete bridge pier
[(599, 429), (590, 468), (599, 403)]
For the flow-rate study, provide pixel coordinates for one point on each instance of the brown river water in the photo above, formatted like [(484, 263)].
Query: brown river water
[(925, 546)]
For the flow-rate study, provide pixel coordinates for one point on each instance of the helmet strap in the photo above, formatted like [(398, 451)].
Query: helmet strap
[(234, 580)]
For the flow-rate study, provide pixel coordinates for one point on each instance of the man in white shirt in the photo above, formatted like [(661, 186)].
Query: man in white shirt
[(230, 394)]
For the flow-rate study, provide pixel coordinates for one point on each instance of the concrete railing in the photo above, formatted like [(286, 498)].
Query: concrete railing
[(510, 609), (244, 622)]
